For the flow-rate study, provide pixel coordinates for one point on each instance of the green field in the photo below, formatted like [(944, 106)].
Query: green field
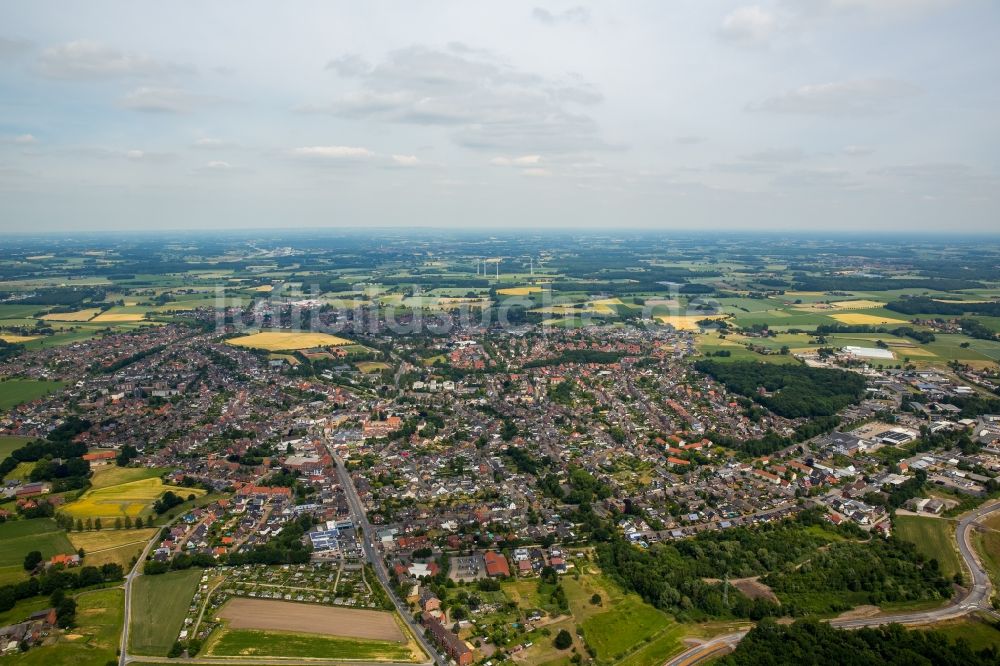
[(9, 443), (15, 391), (977, 631), (617, 632), (19, 537), (113, 475), (251, 643), (94, 639), (132, 499), (934, 538), (159, 604)]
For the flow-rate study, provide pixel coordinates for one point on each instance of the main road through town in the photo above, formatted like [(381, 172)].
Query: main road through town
[(368, 540), (976, 599)]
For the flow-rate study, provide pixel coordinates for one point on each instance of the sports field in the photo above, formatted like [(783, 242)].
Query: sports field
[(268, 614), (132, 499), (371, 366), (159, 604), (287, 340)]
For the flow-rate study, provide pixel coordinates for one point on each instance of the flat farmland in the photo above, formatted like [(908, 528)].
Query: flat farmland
[(94, 639), (287, 340), (132, 499), (117, 317), (856, 318), (79, 315), (11, 442), (17, 339), (114, 475), (111, 546), (19, 537), (159, 604), (15, 391), (286, 644), (266, 614)]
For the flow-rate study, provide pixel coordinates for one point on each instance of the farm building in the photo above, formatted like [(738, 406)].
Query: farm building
[(869, 352)]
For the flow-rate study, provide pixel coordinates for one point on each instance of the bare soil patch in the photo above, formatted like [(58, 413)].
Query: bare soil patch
[(311, 618), (753, 588)]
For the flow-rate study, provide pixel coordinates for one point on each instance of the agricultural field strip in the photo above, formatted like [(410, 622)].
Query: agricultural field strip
[(267, 614)]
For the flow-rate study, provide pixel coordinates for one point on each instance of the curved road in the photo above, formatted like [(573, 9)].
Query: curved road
[(976, 599)]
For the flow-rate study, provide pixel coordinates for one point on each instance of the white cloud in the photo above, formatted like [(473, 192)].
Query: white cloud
[(25, 139), (206, 142), (748, 26), (406, 160), (899, 7), (775, 155), (523, 160), (332, 152), (164, 100), (858, 151), (536, 172), (577, 15), (487, 103), (848, 98), (84, 59), (218, 164), (11, 48)]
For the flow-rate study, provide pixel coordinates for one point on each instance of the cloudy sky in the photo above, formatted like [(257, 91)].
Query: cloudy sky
[(806, 115)]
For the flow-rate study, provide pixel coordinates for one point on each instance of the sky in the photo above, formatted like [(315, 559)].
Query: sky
[(789, 115)]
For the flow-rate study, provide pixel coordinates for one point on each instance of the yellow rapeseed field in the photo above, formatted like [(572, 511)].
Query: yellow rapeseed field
[(287, 340)]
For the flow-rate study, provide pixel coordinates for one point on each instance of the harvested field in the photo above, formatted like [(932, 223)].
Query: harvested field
[(856, 318), (16, 339), (287, 340), (117, 317), (310, 618), (685, 322), (79, 315), (518, 291)]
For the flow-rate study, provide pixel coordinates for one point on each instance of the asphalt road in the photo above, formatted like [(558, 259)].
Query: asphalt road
[(976, 599), (368, 543)]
